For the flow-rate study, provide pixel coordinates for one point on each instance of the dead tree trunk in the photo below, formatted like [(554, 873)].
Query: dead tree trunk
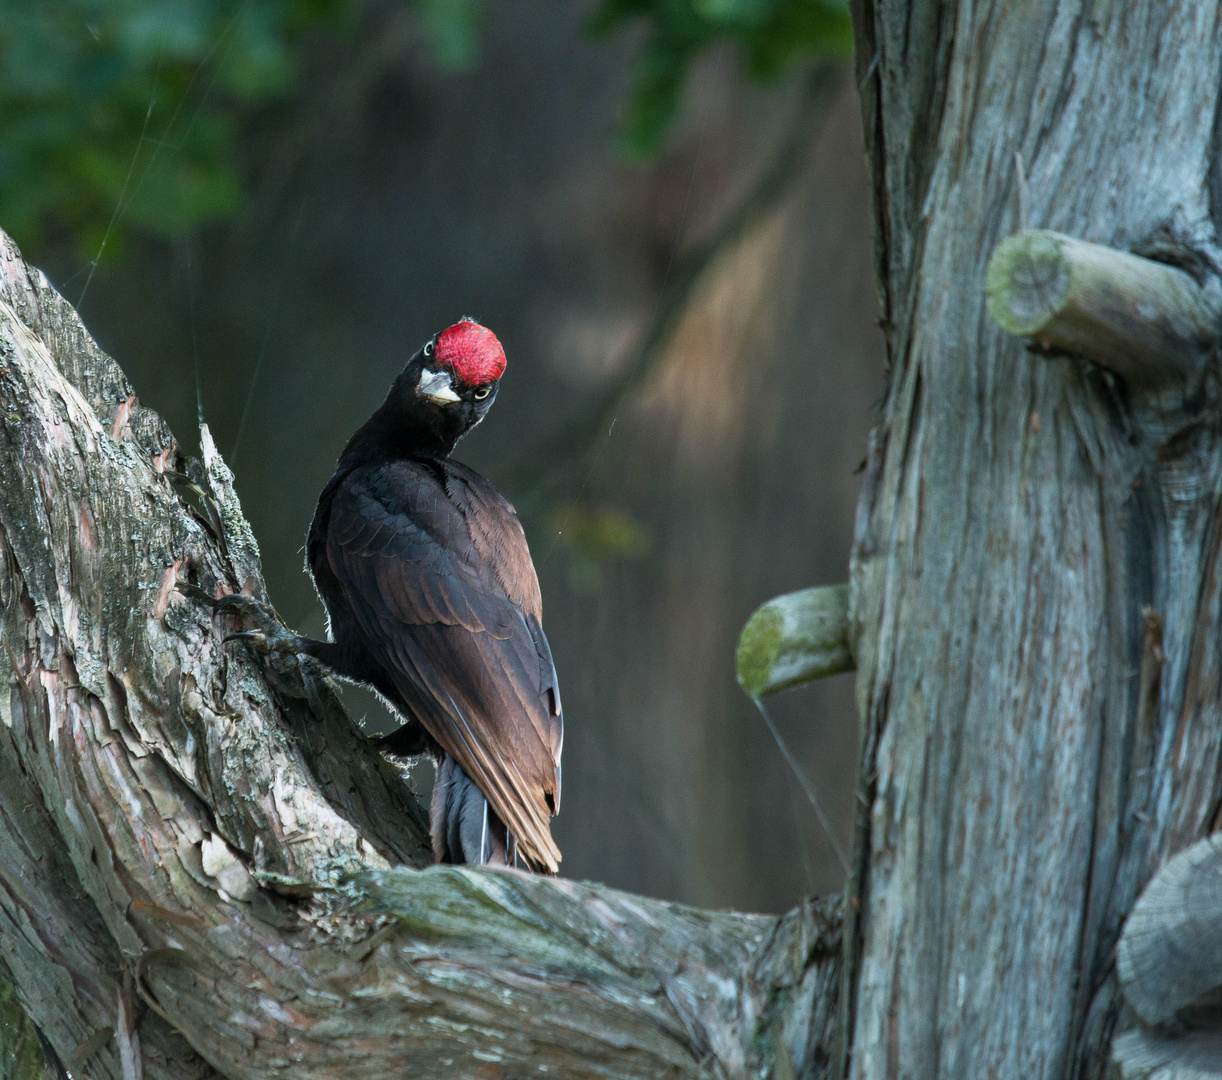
[(1037, 569)]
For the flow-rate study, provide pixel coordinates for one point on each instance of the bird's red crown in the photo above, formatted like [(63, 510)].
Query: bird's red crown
[(471, 352)]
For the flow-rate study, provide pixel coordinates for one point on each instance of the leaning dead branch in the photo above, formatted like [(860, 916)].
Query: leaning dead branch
[(575, 441), (205, 866)]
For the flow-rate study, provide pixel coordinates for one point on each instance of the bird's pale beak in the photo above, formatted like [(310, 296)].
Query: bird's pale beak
[(436, 386)]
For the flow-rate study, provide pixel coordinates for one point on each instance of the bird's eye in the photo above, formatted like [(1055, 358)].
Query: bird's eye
[(428, 349), (482, 393)]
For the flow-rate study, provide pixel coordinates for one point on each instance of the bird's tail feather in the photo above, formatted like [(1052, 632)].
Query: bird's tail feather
[(464, 828)]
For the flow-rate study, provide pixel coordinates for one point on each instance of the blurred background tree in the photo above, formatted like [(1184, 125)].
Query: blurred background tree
[(263, 206), (770, 35)]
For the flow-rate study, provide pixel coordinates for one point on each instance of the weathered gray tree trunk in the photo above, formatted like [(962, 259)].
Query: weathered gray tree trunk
[(1033, 746)]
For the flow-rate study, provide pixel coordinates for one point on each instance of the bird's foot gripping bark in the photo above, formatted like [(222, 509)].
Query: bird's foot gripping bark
[(286, 653), (262, 628)]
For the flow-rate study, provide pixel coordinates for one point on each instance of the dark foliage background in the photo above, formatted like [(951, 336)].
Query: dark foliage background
[(264, 206)]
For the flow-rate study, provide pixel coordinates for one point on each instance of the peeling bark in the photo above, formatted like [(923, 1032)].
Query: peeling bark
[(205, 868)]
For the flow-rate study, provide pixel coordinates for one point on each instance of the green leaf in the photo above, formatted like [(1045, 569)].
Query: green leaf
[(142, 98), (453, 28), (771, 36), (654, 99), (733, 12)]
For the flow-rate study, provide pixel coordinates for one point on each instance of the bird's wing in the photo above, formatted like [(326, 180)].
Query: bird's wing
[(435, 570)]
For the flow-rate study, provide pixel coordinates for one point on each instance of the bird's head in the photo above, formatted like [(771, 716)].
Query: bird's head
[(460, 369), (446, 389)]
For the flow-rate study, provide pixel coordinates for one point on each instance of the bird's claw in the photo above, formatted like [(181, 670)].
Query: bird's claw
[(265, 633), (239, 604), (266, 644)]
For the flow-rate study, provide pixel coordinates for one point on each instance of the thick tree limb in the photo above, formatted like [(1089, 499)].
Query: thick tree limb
[(1147, 321), (196, 853), (794, 639)]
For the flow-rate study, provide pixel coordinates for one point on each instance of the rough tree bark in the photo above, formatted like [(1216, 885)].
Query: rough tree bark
[(203, 866), (1037, 569)]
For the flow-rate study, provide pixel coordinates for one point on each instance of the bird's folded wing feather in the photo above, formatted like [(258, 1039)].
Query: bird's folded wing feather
[(435, 567)]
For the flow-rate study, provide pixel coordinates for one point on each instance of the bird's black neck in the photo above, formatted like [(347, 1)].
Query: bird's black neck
[(405, 426)]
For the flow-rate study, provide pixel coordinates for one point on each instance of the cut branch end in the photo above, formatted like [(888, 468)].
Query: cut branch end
[(794, 639), (1147, 321)]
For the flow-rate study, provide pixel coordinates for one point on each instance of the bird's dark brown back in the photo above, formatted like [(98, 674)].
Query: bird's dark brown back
[(425, 570)]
